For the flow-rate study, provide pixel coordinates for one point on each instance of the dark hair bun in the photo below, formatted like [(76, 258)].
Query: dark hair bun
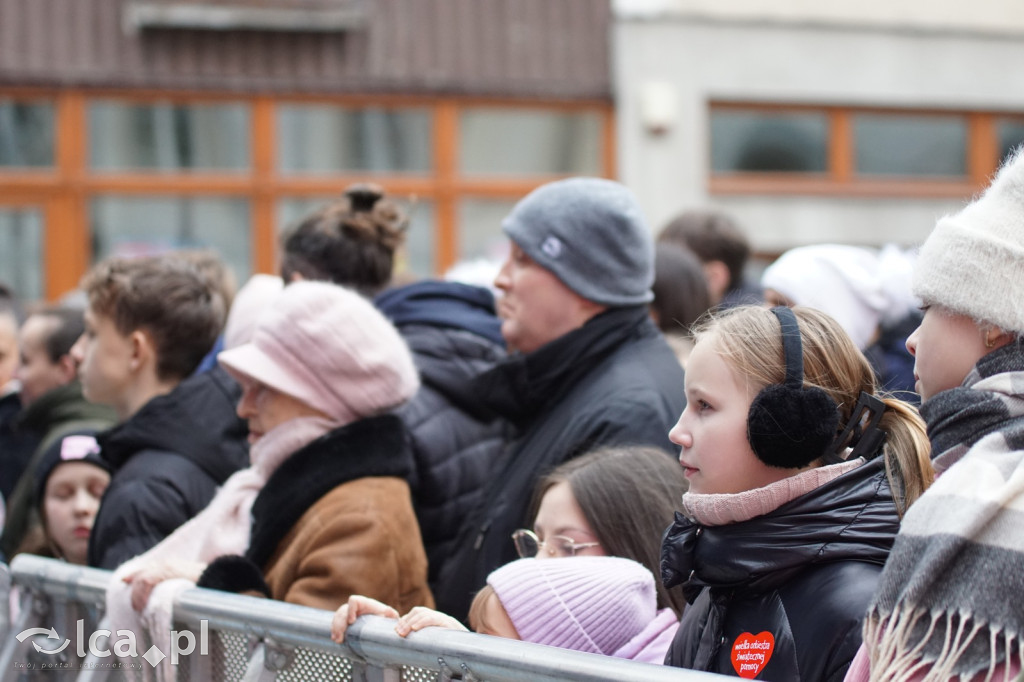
[(364, 196)]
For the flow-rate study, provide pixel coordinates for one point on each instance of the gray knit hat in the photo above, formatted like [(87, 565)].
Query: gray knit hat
[(973, 262), (591, 234)]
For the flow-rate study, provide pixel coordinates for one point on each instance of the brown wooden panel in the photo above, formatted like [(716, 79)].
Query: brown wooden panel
[(982, 149), (518, 48), (446, 155), (264, 145)]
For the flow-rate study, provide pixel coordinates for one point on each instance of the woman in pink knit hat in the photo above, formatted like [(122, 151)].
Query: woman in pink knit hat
[(324, 510)]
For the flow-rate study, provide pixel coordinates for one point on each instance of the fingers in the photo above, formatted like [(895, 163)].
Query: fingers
[(339, 624), (361, 606), (422, 617), (357, 605)]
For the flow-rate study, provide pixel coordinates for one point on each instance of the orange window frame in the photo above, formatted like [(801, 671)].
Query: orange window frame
[(65, 190), (840, 179)]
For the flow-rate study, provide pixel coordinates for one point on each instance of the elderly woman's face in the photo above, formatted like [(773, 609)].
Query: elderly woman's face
[(264, 408)]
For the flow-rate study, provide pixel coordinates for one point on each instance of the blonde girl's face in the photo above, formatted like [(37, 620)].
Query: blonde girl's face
[(945, 346), (70, 502), (712, 430)]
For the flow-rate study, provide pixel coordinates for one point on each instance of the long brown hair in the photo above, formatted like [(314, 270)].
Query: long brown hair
[(628, 496)]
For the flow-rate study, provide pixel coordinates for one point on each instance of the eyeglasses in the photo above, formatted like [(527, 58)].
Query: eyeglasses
[(528, 544)]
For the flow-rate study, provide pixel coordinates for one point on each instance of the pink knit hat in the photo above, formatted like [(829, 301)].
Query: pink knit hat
[(586, 603), (328, 347)]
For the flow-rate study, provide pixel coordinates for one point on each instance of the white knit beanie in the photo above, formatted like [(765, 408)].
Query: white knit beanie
[(973, 262), (857, 286)]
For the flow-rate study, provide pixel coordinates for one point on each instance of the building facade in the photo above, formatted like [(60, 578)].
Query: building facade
[(816, 122), (135, 126)]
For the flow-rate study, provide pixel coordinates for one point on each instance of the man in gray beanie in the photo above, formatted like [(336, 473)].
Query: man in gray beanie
[(588, 369)]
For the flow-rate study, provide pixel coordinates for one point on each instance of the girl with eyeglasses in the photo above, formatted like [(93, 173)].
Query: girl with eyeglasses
[(614, 501), (612, 504)]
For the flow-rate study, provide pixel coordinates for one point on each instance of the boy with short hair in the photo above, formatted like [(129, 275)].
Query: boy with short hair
[(148, 325)]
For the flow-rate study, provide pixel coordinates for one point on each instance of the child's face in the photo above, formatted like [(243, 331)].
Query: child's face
[(104, 357), (712, 430), (70, 502), (494, 620), (946, 346)]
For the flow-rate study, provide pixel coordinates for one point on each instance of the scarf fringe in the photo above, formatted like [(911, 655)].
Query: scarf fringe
[(896, 658)]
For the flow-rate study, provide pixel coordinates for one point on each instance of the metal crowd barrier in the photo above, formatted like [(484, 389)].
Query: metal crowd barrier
[(59, 607)]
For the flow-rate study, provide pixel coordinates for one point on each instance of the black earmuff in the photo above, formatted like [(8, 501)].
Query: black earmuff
[(790, 426)]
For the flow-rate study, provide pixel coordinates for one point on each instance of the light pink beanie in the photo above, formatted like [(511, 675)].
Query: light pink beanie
[(328, 347), (588, 603)]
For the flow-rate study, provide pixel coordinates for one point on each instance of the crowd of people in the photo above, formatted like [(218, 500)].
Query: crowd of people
[(632, 450)]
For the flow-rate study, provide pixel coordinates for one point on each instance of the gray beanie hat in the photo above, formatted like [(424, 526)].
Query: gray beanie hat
[(973, 262), (591, 234)]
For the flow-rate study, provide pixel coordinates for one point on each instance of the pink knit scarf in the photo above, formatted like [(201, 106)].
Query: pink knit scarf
[(714, 509), (222, 528)]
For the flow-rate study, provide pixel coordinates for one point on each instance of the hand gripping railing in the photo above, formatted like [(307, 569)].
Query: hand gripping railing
[(269, 640)]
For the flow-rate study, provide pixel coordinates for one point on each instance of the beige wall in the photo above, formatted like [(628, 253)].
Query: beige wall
[(697, 60), (995, 16)]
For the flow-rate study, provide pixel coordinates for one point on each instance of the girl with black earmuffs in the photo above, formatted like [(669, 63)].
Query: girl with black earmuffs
[(799, 475)]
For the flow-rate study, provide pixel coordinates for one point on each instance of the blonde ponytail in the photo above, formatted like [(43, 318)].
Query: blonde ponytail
[(908, 464)]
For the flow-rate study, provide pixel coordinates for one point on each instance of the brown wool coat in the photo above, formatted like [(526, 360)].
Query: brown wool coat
[(360, 538)]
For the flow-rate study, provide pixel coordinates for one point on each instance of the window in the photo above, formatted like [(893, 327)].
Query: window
[(21, 251), (26, 134), (168, 137), (769, 142), (1011, 136), (141, 172), (910, 145), (775, 148), (510, 142), (480, 227), (147, 225), (326, 139)]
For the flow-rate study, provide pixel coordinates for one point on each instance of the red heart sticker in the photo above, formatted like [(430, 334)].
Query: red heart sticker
[(751, 653)]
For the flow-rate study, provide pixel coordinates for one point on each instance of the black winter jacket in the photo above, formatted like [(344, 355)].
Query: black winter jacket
[(614, 381), (167, 459), (454, 335), (783, 593)]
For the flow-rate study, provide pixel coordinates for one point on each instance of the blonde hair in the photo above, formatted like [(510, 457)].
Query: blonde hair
[(748, 338), (478, 606)]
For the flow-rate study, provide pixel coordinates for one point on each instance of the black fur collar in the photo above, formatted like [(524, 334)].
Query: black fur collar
[(369, 447)]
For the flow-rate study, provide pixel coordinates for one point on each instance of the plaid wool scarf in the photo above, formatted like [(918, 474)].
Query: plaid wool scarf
[(951, 597)]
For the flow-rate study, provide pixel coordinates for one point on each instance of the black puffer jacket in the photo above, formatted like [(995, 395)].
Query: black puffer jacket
[(168, 460), (784, 593), (613, 381), (454, 335)]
